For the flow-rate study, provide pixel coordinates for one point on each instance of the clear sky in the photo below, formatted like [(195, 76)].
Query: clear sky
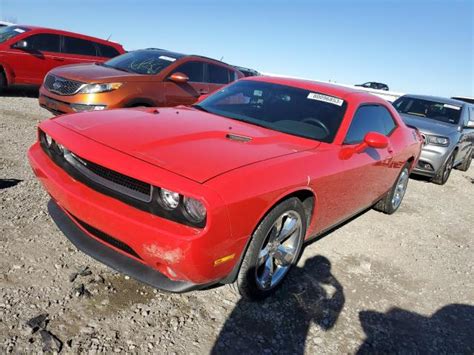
[(416, 46)]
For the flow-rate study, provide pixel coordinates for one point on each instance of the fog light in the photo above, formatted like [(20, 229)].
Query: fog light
[(85, 107)]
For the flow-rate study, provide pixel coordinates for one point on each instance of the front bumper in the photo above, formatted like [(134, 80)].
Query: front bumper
[(118, 261), (58, 107), (431, 160), (180, 252)]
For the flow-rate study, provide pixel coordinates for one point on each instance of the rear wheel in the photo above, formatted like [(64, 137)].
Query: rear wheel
[(443, 174), (3, 81), (466, 162), (275, 247), (392, 201)]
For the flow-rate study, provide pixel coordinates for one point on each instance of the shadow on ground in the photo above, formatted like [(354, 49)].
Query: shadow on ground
[(6, 183), (20, 91), (310, 294), (448, 331)]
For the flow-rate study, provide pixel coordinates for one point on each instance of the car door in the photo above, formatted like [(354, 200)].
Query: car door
[(466, 140), (369, 174), (77, 50), (218, 76), (38, 57), (186, 93)]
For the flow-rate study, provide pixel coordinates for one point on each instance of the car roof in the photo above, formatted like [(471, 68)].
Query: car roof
[(182, 55), (342, 92), (32, 28), (440, 99)]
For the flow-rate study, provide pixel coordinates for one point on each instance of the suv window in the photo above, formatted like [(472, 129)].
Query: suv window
[(194, 70), (369, 118), (107, 51), (218, 74), (43, 42), (79, 46)]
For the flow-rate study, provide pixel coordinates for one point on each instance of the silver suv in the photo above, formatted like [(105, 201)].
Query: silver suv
[(447, 128)]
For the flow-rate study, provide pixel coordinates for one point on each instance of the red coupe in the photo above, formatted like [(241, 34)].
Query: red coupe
[(225, 191)]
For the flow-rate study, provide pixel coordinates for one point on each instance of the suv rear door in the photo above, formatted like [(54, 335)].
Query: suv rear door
[(218, 76), (77, 50), (31, 64), (186, 93)]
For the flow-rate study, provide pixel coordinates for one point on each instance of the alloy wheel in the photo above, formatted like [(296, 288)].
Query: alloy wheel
[(279, 250), (400, 189)]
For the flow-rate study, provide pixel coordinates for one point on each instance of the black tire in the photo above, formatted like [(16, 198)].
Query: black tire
[(464, 166), (443, 174), (389, 204), (247, 283), (3, 81)]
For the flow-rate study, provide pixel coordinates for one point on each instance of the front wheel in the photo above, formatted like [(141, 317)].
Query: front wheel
[(467, 161), (443, 174), (275, 247), (392, 201)]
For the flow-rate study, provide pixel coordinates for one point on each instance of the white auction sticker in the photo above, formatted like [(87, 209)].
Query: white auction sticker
[(329, 99), (452, 106), (169, 59), (19, 30)]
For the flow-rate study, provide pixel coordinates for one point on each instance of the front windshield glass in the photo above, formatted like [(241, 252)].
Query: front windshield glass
[(282, 108), (11, 31), (147, 62), (429, 109)]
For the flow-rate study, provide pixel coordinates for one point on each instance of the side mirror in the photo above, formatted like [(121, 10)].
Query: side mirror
[(371, 140), (20, 45), (179, 78), (470, 124)]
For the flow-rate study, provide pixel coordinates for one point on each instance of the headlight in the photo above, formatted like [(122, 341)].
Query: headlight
[(98, 88), (195, 210), (169, 199), (437, 140)]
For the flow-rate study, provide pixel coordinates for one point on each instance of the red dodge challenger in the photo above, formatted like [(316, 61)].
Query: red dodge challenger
[(225, 191)]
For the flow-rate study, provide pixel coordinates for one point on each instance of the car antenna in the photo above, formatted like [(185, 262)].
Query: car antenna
[(221, 58), (108, 38)]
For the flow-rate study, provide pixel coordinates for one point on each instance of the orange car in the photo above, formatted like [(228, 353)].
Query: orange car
[(148, 77)]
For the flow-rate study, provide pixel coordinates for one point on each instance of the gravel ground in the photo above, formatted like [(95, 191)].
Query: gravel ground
[(400, 283)]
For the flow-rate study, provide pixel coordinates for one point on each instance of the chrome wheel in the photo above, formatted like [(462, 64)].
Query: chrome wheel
[(400, 189), (279, 250), (448, 168)]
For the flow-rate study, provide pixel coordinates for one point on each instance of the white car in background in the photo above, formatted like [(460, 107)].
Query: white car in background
[(5, 24)]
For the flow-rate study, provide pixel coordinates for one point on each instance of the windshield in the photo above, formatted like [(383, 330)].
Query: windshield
[(147, 62), (279, 107), (11, 31), (429, 109)]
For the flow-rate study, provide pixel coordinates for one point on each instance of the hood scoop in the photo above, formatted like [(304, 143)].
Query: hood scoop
[(238, 138)]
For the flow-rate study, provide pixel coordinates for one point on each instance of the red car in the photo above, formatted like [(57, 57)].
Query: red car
[(227, 190), (27, 53)]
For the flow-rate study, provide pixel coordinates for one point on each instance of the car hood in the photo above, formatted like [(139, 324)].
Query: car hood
[(94, 73), (188, 142), (429, 126)]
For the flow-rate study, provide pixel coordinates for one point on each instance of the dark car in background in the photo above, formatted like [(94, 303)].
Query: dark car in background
[(147, 77), (447, 128), (374, 85), (27, 53)]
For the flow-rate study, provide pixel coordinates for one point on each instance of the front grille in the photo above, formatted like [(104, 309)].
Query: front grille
[(107, 238), (110, 178), (62, 86)]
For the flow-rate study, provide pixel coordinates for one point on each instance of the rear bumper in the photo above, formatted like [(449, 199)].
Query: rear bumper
[(110, 257)]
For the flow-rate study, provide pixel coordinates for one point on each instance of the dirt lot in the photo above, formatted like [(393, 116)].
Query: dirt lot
[(400, 283)]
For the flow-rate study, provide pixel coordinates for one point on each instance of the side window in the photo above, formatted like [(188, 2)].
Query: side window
[(218, 74), (107, 51), (194, 70), (79, 46), (43, 42), (370, 118)]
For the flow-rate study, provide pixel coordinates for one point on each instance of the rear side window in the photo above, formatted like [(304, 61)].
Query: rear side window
[(370, 118), (107, 51), (218, 74), (43, 42), (79, 46), (194, 70)]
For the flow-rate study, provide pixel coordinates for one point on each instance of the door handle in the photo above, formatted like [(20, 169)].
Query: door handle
[(390, 150), (203, 92)]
